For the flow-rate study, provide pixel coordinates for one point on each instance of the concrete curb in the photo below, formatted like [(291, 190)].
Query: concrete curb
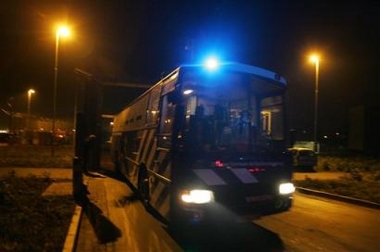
[(346, 199), (72, 234), (71, 238)]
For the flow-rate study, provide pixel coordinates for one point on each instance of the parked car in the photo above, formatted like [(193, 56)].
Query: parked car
[(304, 158)]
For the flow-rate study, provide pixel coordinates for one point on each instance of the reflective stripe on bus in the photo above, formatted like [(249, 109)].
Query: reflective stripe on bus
[(212, 178), (209, 177)]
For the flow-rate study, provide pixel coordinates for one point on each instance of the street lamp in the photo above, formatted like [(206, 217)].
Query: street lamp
[(64, 32), (315, 59), (30, 92)]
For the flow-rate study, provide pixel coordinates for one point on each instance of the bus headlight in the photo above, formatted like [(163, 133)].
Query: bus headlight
[(286, 188), (197, 196)]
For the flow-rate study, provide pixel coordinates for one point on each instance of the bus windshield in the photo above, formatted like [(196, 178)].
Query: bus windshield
[(232, 113)]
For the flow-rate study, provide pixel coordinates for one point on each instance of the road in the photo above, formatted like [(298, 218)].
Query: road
[(317, 224), (313, 224)]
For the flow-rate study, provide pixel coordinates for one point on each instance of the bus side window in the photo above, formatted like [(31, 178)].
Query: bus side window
[(153, 107), (166, 123), (129, 144)]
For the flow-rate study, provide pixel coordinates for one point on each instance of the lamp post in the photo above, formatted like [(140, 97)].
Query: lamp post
[(61, 31), (30, 92), (315, 59)]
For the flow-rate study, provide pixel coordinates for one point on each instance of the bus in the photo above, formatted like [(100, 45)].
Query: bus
[(203, 141)]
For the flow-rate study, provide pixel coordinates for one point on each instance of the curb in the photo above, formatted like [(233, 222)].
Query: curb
[(346, 199), (72, 234)]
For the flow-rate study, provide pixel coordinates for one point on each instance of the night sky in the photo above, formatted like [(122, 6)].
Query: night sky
[(139, 41)]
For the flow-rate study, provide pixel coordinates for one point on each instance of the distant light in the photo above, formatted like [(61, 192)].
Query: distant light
[(188, 91), (212, 63), (63, 31), (314, 58), (325, 137)]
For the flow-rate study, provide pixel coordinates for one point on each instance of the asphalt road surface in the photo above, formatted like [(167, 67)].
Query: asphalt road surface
[(317, 224)]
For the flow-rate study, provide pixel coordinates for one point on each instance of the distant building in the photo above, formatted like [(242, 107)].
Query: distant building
[(364, 133), (35, 130)]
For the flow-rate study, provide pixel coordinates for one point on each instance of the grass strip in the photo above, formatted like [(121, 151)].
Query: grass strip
[(28, 221)]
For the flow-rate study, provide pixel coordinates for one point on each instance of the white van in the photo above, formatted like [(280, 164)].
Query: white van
[(303, 157)]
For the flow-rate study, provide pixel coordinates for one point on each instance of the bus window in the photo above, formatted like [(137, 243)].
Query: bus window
[(130, 144), (166, 123), (154, 100), (272, 118), (227, 117)]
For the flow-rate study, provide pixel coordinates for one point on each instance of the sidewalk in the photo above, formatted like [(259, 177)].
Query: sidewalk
[(97, 232), (55, 173)]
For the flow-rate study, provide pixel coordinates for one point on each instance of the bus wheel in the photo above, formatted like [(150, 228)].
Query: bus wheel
[(143, 188)]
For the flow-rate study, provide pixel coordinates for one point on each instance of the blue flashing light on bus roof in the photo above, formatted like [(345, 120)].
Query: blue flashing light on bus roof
[(212, 63)]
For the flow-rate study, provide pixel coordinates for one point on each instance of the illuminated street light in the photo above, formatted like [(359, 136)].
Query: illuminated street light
[(30, 92), (315, 59), (64, 32)]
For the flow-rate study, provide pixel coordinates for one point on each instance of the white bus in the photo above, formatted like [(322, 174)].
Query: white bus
[(203, 140)]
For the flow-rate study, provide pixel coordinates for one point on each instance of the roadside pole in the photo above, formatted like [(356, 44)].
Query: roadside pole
[(79, 189), (87, 115)]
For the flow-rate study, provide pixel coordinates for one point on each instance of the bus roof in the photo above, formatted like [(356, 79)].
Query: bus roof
[(248, 69)]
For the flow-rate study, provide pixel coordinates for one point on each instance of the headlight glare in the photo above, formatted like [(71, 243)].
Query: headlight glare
[(286, 188), (197, 196)]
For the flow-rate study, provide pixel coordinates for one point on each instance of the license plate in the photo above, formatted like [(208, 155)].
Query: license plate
[(258, 198)]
